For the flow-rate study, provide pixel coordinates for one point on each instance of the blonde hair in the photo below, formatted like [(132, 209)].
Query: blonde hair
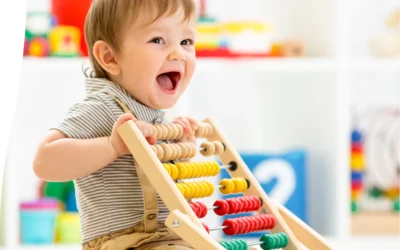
[(106, 18)]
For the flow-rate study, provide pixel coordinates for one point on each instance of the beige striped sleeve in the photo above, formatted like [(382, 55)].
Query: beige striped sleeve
[(90, 118)]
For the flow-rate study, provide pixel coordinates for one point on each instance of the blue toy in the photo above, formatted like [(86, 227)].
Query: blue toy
[(282, 176)]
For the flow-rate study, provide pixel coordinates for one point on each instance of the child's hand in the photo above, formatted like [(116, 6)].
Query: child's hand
[(189, 127), (145, 128)]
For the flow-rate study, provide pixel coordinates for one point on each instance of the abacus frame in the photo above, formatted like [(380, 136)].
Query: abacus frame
[(182, 219)]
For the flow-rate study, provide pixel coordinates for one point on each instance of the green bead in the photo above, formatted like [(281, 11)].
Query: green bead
[(243, 245), (375, 192), (228, 245), (354, 207), (278, 240), (223, 243), (233, 246), (266, 242), (285, 240), (396, 206)]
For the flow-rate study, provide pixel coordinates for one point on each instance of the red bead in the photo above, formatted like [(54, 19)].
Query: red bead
[(232, 227), (357, 148), (243, 227), (233, 206), (250, 225), (356, 185), (273, 221), (204, 210), (263, 222), (268, 221), (206, 227), (257, 203), (245, 205), (197, 209), (257, 224), (252, 204), (193, 207), (222, 207)]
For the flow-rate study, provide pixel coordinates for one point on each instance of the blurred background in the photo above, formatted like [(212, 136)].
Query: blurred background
[(306, 91)]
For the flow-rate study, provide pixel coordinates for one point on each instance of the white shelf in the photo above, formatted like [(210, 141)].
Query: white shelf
[(205, 65), (368, 64), (212, 64)]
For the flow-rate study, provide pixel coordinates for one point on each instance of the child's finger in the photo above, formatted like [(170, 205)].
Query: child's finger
[(126, 117), (151, 140), (193, 123), (185, 125), (146, 129)]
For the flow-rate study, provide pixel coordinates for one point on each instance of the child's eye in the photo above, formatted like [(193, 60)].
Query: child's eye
[(157, 40), (187, 42)]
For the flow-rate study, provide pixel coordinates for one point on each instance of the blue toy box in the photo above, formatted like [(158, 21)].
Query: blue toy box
[(282, 176)]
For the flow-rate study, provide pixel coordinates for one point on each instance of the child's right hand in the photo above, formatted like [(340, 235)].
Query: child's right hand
[(119, 145)]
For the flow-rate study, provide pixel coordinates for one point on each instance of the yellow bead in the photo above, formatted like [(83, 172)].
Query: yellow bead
[(355, 195), (203, 169), (245, 185), (392, 193), (167, 168), (182, 172), (227, 186), (182, 189), (210, 169), (357, 161), (216, 168), (174, 171), (190, 171), (205, 189), (188, 191), (210, 189), (195, 189), (194, 169)]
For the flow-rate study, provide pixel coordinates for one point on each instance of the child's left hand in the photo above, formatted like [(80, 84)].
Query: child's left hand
[(189, 127)]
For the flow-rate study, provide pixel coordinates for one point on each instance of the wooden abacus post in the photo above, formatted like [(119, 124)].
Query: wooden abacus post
[(306, 235), (166, 188), (183, 220)]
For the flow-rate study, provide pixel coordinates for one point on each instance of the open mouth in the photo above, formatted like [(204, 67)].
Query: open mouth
[(169, 81)]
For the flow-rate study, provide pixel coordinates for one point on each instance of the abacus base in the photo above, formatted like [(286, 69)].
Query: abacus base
[(181, 224)]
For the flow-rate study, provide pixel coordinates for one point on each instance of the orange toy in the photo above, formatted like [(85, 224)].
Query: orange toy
[(285, 229)]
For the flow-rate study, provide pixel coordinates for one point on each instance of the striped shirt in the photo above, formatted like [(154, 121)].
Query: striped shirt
[(110, 199)]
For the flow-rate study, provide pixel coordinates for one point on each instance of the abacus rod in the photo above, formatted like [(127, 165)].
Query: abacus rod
[(254, 243), (213, 207), (218, 228)]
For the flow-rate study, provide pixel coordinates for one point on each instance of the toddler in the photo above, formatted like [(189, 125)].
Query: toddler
[(143, 57)]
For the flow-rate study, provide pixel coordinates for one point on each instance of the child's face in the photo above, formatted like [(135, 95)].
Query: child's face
[(157, 61)]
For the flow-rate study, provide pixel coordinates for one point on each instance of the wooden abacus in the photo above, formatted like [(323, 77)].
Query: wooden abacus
[(283, 229)]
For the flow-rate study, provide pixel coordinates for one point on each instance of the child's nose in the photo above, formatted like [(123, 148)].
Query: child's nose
[(177, 54)]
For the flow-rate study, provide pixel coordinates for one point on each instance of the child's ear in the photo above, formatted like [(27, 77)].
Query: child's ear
[(106, 57)]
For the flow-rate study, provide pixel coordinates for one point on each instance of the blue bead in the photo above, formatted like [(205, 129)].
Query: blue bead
[(356, 136), (356, 176)]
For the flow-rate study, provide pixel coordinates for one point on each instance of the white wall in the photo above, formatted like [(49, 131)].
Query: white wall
[(366, 24)]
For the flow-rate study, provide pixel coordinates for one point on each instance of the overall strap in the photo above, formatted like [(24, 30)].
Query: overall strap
[(150, 216)]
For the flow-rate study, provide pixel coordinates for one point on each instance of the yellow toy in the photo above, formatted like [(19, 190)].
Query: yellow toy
[(65, 41), (286, 230)]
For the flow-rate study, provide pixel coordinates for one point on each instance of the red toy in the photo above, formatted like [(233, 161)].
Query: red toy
[(72, 13)]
